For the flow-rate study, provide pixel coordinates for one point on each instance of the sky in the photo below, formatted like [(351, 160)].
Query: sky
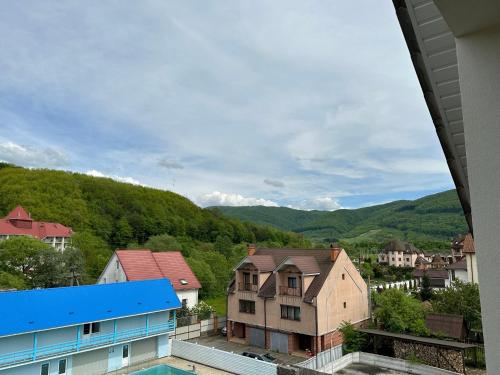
[(304, 104)]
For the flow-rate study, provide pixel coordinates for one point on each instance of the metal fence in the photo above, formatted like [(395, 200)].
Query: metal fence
[(226, 361), (199, 328), (322, 358)]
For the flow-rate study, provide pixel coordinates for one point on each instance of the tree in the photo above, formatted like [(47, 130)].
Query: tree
[(95, 251), (426, 289), (461, 299), (9, 281), (224, 245), (354, 341), (123, 232), (367, 271), (400, 313), (74, 265), (19, 254), (162, 242), (205, 276), (47, 271)]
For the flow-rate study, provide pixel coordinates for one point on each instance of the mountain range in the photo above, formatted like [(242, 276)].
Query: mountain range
[(438, 217)]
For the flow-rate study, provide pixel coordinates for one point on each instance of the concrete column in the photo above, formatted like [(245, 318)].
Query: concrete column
[(479, 69)]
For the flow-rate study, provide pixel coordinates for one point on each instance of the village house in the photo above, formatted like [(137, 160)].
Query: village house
[(399, 253), (463, 248), (143, 264), (294, 300), (91, 329), (19, 223)]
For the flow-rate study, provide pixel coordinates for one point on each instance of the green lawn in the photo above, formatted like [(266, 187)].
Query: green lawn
[(219, 303)]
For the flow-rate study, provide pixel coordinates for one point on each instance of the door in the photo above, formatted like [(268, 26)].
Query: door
[(125, 356), (257, 337), (279, 342)]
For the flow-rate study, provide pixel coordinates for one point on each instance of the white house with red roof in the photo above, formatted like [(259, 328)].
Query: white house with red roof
[(143, 264), (19, 223)]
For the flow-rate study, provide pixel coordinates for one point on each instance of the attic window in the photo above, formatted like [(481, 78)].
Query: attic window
[(183, 281)]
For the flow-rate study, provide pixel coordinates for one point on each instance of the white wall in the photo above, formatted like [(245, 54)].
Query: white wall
[(112, 273), (190, 295), (479, 68)]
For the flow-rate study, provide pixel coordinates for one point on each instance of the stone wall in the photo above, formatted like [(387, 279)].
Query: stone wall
[(447, 359)]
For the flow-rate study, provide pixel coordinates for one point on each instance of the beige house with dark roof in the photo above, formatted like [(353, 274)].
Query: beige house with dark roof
[(399, 253), (294, 300)]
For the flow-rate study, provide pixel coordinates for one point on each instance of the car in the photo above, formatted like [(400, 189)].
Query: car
[(223, 331), (261, 357)]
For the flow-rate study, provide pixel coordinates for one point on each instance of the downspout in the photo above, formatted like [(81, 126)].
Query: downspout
[(265, 323), (317, 330)]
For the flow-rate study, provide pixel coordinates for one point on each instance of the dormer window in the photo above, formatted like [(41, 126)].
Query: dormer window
[(183, 281), (292, 282)]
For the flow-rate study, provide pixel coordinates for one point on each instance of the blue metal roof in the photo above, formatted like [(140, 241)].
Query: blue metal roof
[(41, 309)]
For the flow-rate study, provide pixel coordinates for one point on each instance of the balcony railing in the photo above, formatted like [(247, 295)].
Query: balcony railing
[(83, 344), (247, 287), (287, 291)]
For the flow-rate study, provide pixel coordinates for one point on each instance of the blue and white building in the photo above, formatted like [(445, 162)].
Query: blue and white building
[(85, 330)]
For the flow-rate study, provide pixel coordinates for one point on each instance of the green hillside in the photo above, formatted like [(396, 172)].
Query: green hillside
[(106, 215), (434, 218)]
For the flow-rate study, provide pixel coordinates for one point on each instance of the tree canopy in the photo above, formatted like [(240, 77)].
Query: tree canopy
[(400, 313)]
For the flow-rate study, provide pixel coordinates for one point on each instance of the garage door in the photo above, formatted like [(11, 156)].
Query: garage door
[(279, 342), (256, 337)]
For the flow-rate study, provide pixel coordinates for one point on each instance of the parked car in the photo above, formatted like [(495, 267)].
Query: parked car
[(223, 331), (261, 357)]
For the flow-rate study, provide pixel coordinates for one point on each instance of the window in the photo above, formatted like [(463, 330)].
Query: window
[(343, 276), (183, 281), (345, 305), (94, 327), (247, 307), (290, 312), (393, 259), (62, 367), (246, 278), (407, 259), (117, 264), (292, 282), (184, 303), (44, 370), (86, 329), (125, 351), (255, 279)]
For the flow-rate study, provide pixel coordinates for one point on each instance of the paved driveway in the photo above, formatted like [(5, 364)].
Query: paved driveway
[(220, 342)]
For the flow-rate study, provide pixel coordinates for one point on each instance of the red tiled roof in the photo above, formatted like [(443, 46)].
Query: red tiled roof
[(306, 264), (432, 273), (469, 244), (19, 223), (173, 266), (142, 264)]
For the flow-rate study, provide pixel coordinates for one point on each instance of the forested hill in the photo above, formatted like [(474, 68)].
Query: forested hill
[(106, 215), (436, 217)]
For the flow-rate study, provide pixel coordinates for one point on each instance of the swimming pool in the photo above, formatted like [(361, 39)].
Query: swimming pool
[(163, 370)]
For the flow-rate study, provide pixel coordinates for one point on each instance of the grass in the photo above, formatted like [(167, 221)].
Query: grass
[(218, 303)]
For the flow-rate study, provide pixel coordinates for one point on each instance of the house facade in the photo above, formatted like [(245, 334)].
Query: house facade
[(292, 300), (85, 330), (400, 254), (143, 264), (19, 223)]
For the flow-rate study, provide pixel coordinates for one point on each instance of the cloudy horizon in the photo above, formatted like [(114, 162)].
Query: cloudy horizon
[(284, 103)]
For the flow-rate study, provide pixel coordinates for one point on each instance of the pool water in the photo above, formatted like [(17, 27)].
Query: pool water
[(163, 370)]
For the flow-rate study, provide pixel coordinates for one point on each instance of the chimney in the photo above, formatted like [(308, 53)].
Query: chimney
[(335, 250), (251, 249)]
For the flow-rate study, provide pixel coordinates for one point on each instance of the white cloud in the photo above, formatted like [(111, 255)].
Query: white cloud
[(128, 180), (30, 156), (217, 198), (274, 183), (318, 203)]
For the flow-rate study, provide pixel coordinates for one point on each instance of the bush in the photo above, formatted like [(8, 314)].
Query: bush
[(354, 341)]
